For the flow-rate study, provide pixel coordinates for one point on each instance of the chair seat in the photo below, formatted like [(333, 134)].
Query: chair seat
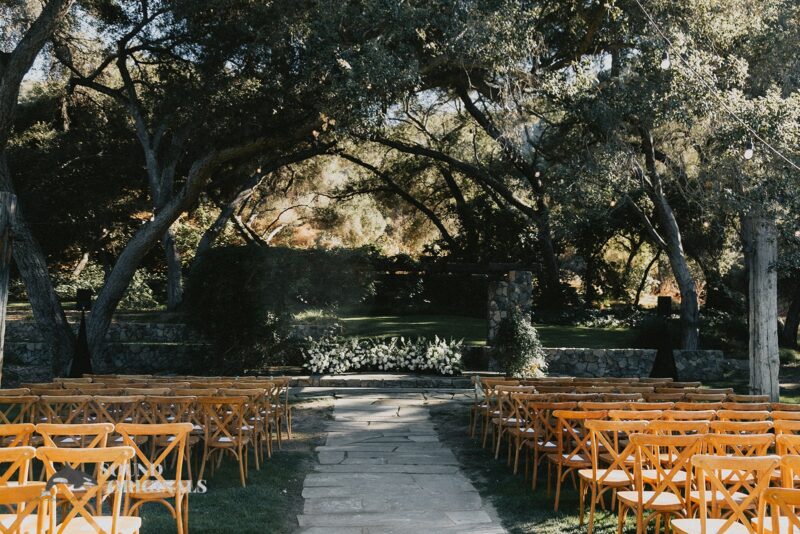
[(738, 497), (650, 476), (664, 502), (694, 526), (614, 477), (783, 526), (79, 525), (156, 489), (28, 525)]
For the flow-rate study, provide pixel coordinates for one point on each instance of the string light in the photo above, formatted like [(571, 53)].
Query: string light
[(713, 90), (665, 62), (748, 149), (706, 224)]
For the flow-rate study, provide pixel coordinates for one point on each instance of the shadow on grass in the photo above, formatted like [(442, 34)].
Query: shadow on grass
[(520, 509), (273, 496)]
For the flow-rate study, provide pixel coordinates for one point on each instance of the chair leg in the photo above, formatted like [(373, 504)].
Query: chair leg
[(592, 506), (203, 463), (621, 518), (581, 496), (241, 459), (558, 487)]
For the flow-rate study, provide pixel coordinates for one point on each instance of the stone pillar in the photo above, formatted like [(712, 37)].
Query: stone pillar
[(515, 291)]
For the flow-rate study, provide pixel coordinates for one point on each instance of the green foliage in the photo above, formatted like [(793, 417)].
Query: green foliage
[(242, 297), (517, 348), (138, 296)]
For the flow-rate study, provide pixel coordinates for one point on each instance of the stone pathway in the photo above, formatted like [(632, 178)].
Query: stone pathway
[(384, 470)]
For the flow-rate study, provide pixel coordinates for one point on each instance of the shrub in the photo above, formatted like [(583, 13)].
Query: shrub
[(337, 355), (138, 296), (517, 348)]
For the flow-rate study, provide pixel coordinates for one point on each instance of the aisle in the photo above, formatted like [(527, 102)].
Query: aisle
[(383, 470)]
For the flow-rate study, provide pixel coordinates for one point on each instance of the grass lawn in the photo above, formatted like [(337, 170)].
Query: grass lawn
[(473, 330), (273, 496), (520, 509)]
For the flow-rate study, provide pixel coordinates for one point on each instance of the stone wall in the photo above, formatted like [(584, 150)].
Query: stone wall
[(514, 292), (703, 365)]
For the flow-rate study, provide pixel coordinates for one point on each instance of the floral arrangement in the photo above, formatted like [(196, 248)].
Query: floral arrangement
[(337, 355)]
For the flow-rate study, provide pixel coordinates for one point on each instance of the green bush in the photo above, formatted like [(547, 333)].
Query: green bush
[(517, 348), (138, 296)]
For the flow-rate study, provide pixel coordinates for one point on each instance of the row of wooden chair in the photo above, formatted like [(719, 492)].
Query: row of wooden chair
[(146, 385), (140, 475), (592, 438), (226, 424)]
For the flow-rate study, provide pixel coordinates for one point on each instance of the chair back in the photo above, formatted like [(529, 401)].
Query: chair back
[(574, 442), (224, 419), (740, 427), (15, 409), (16, 462), (742, 415), (787, 427), (787, 444), (111, 473), (784, 507), (27, 500), (634, 415), (648, 406), (63, 409), (16, 435), (650, 451), (148, 473), (790, 470), (117, 409), (85, 436), (690, 415), (609, 449), (739, 444), (678, 428), (732, 483), (781, 415)]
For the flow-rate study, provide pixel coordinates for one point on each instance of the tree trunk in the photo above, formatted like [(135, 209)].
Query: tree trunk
[(46, 307), (761, 253), (789, 333), (174, 270), (643, 281), (8, 205), (552, 290)]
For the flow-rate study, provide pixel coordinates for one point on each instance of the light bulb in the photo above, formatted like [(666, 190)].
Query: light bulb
[(537, 174), (748, 149), (706, 224), (665, 62)]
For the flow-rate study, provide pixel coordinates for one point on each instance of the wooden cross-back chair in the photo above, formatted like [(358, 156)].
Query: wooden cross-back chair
[(786, 427), (635, 415), (546, 431), (783, 505), (690, 415), (730, 488), (503, 417), (739, 445), (258, 425), (677, 428), (522, 435), (706, 397), (15, 462), (601, 405), (148, 482), (746, 406), (758, 399), (781, 415), (743, 415), (499, 407), (490, 407), (612, 468), (14, 392), (669, 485), (283, 383), (663, 397), (225, 423), (574, 446), (16, 434), (740, 427), (32, 503), (169, 409), (86, 435), (15, 409), (697, 406), (63, 409), (648, 406), (111, 474)]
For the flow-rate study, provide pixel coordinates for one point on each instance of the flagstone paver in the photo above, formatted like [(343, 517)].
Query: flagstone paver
[(383, 470)]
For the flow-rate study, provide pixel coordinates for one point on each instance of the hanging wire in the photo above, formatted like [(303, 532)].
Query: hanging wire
[(713, 91)]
